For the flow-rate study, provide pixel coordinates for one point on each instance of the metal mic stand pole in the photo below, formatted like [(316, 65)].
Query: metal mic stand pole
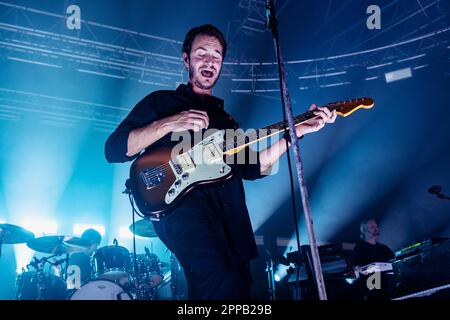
[(271, 290), (67, 267), (286, 101)]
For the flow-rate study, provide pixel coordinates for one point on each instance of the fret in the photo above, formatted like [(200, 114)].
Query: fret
[(343, 107)]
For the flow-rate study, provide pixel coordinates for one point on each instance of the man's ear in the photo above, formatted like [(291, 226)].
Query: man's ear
[(186, 60)]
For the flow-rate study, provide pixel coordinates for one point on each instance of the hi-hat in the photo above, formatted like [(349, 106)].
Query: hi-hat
[(59, 244), (144, 228), (10, 234)]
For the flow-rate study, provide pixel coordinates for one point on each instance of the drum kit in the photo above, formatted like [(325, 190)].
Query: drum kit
[(114, 272)]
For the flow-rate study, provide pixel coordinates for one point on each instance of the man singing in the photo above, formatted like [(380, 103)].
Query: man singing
[(209, 230)]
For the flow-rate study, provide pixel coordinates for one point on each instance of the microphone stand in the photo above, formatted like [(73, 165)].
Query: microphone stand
[(437, 191), (67, 267), (287, 107), (270, 264)]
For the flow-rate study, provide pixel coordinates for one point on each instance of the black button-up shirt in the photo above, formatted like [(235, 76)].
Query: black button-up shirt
[(227, 198)]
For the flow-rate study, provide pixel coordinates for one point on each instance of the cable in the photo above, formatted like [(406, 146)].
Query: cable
[(136, 269)]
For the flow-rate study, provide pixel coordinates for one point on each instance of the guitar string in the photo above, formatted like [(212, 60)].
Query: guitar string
[(334, 106), (151, 173)]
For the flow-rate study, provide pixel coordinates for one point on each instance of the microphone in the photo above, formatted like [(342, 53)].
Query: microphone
[(435, 189)]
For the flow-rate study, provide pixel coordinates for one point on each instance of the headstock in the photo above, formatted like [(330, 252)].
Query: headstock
[(346, 108)]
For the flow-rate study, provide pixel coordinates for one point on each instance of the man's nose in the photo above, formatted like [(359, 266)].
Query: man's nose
[(208, 59)]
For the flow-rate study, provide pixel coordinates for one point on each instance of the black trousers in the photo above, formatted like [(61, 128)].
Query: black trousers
[(196, 234)]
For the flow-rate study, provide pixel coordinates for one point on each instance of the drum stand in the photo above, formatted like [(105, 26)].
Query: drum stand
[(1, 243), (270, 278), (39, 265)]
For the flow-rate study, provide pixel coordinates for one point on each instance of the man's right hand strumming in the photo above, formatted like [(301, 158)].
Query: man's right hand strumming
[(141, 138), (186, 120)]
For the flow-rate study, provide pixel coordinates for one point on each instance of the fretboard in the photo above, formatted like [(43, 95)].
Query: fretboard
[(241, 140)]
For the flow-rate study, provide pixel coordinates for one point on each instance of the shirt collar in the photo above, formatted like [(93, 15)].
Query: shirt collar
[(186, 90)]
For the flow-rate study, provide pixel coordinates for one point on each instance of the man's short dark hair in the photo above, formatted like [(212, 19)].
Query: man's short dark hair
[(207, 30), (92, 235)]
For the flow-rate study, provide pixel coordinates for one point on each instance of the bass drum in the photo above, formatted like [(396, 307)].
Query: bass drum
[(32, 285), (101, 290)]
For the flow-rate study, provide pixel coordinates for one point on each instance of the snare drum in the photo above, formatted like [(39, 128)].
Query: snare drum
[(111, 263), (101, 290), (32, 285)]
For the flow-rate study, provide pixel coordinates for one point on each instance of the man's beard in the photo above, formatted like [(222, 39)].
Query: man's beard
[(194, 76)]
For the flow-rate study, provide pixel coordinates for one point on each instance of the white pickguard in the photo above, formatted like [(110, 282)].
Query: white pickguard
[(201, 163)]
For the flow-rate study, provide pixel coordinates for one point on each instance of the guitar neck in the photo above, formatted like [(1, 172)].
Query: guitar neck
[(241, 141), (280, 126)]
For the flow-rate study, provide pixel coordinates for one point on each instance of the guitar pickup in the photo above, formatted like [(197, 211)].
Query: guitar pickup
[(185, 162), (212, 154), (152, 177)]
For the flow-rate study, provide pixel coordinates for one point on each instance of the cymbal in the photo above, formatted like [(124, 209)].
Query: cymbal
[(59, 244), (10, 234), (144, 228)]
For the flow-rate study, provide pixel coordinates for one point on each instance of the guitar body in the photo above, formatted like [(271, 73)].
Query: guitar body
[(159, 180), (161, 177)]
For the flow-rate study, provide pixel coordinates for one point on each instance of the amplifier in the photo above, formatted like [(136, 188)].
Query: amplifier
[(427, 269)]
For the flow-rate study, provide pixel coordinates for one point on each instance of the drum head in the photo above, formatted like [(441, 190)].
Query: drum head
[(101, 290)]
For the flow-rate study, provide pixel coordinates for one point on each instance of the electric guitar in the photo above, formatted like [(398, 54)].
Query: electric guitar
[(159, 179)]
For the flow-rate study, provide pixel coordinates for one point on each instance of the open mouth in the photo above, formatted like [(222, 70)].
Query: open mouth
[(207, 73)]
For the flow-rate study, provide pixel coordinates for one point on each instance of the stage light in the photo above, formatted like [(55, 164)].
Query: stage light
[(378, 66), (314, 76), (398, 75), (23, 256), (281, 272), (40, 227), (420, 67), (125, 233), (412, 58), (79, 228)]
